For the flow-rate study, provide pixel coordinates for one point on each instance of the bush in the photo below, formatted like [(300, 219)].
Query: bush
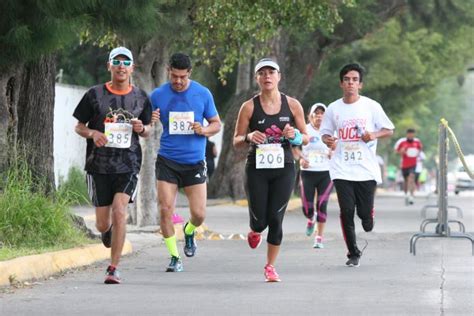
[(29, 218), (75, 188)]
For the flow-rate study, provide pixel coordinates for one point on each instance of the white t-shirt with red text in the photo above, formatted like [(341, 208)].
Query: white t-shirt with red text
[(412, 150), (353, 159)]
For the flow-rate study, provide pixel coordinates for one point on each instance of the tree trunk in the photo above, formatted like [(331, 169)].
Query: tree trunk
[(149, 73), (10, 82), (36, 117), (228, 180)]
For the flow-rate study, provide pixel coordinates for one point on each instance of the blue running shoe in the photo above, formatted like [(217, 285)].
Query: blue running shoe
[(189, 244), (176, 265), (310, 228)]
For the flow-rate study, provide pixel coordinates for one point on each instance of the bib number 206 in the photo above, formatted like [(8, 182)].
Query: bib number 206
[(270, 156)]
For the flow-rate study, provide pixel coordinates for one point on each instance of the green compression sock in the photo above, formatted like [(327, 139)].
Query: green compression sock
[(172, 246), (189, 230)]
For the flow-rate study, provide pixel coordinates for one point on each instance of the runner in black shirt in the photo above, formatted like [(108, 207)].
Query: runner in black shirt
[(111, 117)]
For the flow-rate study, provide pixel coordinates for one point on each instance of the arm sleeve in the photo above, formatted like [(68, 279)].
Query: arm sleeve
[(381, 119), (145, 116), (85, 109), (210, 109), (397, 144)]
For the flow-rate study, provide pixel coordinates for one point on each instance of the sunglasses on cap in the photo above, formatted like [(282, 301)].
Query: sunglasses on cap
[(117, 62)]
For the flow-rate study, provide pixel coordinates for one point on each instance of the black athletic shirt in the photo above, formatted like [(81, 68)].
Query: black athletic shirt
[(93, 109), (263, 122)]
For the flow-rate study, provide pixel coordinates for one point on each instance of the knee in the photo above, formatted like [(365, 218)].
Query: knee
[(102, 226), (321, 218), (345, 215), (308, 212), (258, 227), (119, 216), (198, 219)]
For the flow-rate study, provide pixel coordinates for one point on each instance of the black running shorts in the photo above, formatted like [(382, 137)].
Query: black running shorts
[(103, 187), (407, 171), (181, 174)]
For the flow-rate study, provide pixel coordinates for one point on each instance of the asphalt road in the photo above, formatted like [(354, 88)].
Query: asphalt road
[(226, 277)]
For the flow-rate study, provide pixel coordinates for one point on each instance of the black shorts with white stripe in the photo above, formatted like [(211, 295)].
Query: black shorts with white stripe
[(183, 175), (103, 187)]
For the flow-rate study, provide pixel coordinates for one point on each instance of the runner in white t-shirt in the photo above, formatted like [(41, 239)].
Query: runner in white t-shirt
[(314, 178), (359, 122)]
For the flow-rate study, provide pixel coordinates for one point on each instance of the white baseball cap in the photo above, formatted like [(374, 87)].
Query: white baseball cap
[(120, 51), (266, 62), (316, 106)]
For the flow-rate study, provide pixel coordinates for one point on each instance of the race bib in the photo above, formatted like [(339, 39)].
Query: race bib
[(352, 153), (119, 135), (317, 157), (181, 123), (412, 152), (270, 156)]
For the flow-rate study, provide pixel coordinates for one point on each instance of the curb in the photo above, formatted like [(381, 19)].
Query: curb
[(44, 265)]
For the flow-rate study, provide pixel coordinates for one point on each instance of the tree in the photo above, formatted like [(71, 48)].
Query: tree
[(29, 37), (150, 47), (411, 72), (299, 34)]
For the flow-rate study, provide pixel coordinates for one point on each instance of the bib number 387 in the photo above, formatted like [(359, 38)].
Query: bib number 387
[(119, 135), (181, 123), (270, 156)]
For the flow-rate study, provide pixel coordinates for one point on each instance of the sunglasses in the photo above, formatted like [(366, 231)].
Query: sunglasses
[(125, 63)]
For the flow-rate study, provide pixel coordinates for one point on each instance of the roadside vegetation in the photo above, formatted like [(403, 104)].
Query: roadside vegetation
[(33, 222)]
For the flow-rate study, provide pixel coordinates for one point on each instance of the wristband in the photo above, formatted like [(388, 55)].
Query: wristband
[(298, 139), (143, 131)]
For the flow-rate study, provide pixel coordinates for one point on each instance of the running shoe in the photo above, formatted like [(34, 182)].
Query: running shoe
[(354, 261), (310, 228), (411, 200), (112, 276), (254, 239), (177, 219), (368, 224), (176, 265), (318, 242), (107, 237), (270, 274), (189, 244)]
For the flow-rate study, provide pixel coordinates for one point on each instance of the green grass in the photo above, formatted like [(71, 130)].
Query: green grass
[(75, 187), (32, 221), (7, 253)]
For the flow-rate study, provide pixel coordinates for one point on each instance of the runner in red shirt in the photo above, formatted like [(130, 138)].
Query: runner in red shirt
[(409, 148)]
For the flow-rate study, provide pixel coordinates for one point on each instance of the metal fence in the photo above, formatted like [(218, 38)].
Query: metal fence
[(442, 221)]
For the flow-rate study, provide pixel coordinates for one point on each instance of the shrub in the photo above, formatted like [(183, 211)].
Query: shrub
[(30, 218), (75, 188)]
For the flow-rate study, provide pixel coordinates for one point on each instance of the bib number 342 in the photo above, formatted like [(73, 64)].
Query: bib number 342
[(270, 156), (352, 153), (119, 135)]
